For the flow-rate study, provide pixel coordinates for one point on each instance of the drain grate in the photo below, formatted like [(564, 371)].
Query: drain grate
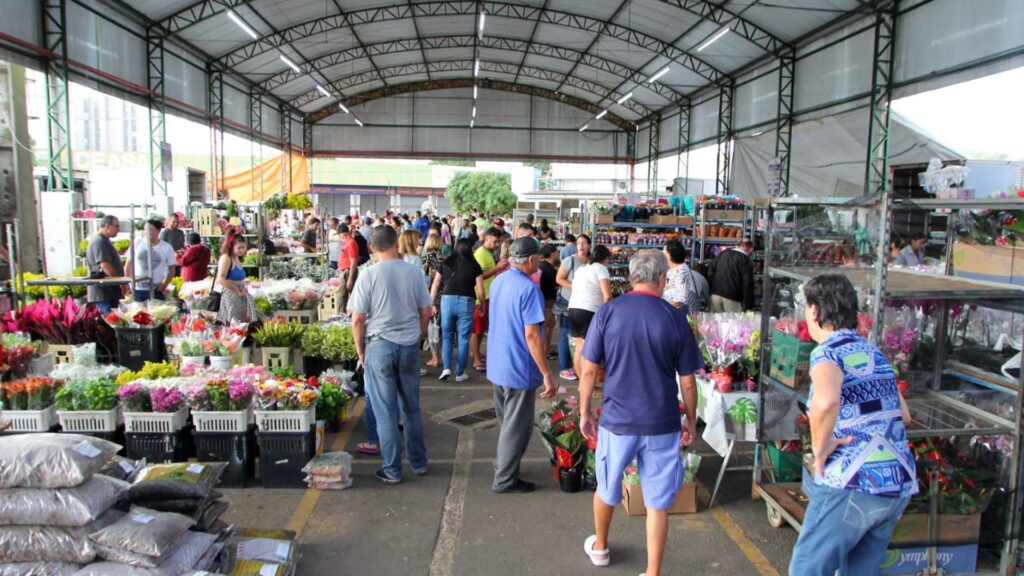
[(474, 418)]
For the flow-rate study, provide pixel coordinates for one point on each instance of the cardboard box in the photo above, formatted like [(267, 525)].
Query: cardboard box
[(684, 220), (605, 218), (992, 263), (790, 360), (951, 559), (715, 216), (663, 219), (633, 500), (953, 530)]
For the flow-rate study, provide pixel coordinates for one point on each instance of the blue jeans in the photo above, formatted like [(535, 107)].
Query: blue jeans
[(393, 385), (844, 530), (142, 295), (105, 306), (371, 422), (456, 313), (564, 355)]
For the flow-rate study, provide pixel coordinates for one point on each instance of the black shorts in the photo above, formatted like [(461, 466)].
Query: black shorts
[(579, 322)]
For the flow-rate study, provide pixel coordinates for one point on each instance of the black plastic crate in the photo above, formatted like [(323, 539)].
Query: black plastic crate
[(135, 346), (237, 449), (157, 448), (282, 456)]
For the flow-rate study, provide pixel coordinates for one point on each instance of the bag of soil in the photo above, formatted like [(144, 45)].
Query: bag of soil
[(52, 543), (76, 506), (39, 569), (51, 460), (191, 548), (175, 481), (144, 531), (121, 468)]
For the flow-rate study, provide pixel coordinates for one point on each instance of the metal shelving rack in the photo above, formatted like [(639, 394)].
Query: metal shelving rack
[(934, 414), (702, 241)]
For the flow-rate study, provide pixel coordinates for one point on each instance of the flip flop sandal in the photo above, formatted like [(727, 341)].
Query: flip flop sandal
[(367, 448), (597, 557)]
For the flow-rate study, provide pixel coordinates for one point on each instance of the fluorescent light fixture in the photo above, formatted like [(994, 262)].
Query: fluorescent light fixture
[(658, 74), (471, 123), (601, 115), (710, 41), (234, 18), (358, 121), (474, 92), (323, 90), (474, 111), (289, 63), (585, 126), (343, 109), (624, 98), (482, 16), (476, 68)]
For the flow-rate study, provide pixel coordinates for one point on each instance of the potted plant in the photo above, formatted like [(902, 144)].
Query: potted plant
[(223, 344), (314, 353), (334, 396), (275, 339), (220, 404), (560, 434), (28, 403), (151, 410), (285, 405), (88, 406)]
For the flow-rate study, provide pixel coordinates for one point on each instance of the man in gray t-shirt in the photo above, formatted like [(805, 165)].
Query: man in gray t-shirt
[(174, 235), (104, 262), (390, 309)]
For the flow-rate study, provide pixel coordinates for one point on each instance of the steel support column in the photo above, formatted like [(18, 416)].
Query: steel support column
[(724, 139), (58, 111), (631, 158), (653, 149), (157, 109), (256, 144), (286, 150), (876, 176), (217, 133), (683, 161), (307, 150), (784, 120)]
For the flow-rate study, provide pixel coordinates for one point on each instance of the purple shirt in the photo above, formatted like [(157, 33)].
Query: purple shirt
[(515, 303), (644, 342)]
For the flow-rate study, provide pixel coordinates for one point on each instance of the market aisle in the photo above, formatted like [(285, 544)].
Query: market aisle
[(375, 529)]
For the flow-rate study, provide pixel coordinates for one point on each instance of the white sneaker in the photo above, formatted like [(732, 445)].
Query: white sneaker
[(445, 374), (462, 377)]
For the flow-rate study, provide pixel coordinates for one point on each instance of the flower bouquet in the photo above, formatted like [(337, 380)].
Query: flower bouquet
[(724, 340), (153, 409), (88, 405), (335, 394), (220, 404), (35, 393), (561, 436), (196, 295), (223, 343), (285, 405), (16, 352), (140, 315)]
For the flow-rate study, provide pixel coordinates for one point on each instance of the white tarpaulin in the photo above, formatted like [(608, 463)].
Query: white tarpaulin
[(828, 155)]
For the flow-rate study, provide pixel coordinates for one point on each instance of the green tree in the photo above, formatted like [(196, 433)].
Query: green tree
[(453, 163), (487, 191)]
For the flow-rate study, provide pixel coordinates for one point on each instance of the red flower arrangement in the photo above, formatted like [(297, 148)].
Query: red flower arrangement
[(560, 434), (143, 318)]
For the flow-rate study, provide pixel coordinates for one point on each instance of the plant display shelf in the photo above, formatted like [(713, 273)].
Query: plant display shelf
[(935, 412)]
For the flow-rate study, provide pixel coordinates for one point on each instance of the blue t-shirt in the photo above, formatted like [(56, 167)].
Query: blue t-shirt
[(567, 251), (515, 303), (423, 225), (878, 461), (644, 342)]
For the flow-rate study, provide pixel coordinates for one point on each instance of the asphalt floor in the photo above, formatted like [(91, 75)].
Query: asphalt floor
[(451, 523)]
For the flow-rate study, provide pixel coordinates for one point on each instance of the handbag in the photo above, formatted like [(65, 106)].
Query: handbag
[(213, 304)]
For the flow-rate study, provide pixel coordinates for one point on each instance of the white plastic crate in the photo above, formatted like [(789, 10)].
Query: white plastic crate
[(89, 420), (222, 421), (31, 420), (300, 316), (285, 420), (155, 422)]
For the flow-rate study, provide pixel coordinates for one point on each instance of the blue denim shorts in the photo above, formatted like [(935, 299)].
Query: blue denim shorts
[(660, 466)]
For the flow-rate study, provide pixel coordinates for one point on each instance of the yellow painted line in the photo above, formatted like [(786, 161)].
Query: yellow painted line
[(749, 549), (307, 505)]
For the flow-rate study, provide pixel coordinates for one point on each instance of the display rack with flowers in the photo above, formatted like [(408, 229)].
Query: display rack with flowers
[(724, 339), (28, 404), (220, 404), (559, 429), (285, 405), (88, 406), (275, 339), (150, 408)]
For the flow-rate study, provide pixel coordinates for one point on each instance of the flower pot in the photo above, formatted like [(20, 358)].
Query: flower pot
[(192, 361), (570, 479), (220, 362), (314, 366), (590, 481), (722, 380)]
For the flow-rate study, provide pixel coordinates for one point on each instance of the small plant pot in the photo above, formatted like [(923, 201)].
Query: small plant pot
[(570, 480), (314, 366), (220, 362), (193, 361)]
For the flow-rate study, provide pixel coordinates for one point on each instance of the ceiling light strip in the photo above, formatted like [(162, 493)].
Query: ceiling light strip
[(585, 126), (624, 98), (245, 27), (710, 41), (290, 64), (658, 74)]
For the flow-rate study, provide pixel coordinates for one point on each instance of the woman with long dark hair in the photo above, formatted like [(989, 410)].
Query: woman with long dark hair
[(236, 304), (460, 283)]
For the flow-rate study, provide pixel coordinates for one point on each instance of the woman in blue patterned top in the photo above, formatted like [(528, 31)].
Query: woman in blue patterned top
[(864, 472)]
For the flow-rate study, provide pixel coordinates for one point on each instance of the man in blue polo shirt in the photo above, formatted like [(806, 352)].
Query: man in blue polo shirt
[(515, 361), (643, 342)]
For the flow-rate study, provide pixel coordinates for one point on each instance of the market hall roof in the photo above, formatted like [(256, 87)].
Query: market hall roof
[(315, 54)]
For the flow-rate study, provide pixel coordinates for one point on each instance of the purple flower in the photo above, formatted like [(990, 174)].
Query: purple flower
[(240, 394), (167, 399)]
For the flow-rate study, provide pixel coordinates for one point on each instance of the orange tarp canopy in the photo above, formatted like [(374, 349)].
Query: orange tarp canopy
[(267, 179)]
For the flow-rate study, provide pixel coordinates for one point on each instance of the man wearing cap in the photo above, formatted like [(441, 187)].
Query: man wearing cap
[(515, 361), (500, 225), (154, 263), (367, 228)]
